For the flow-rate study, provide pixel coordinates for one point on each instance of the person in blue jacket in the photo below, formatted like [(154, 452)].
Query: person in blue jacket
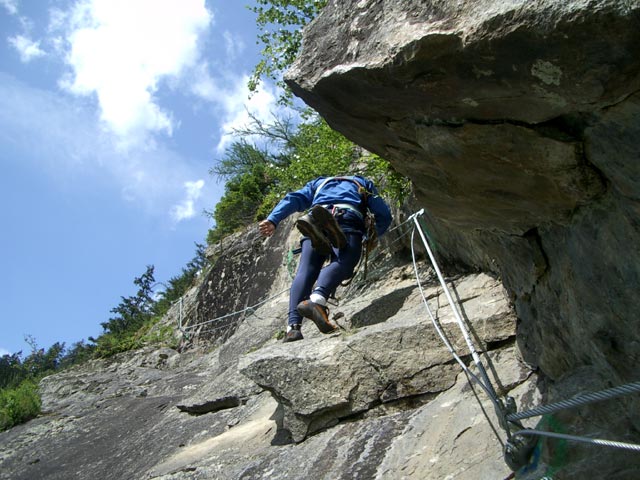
[(333, 229)]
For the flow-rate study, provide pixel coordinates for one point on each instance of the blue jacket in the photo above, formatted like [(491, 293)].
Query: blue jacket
[(336, 191)]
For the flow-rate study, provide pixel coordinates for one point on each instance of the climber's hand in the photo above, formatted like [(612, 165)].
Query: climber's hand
[(266, 228)]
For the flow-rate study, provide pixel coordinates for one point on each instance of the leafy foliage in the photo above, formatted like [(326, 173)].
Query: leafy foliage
[(137, 316), (393, 185), (79, 353), (19, 404), (280, 23), (242, 198), (42, 362), (134, 310), (19, 399), (179, 284), (314, 150), (14, 369)]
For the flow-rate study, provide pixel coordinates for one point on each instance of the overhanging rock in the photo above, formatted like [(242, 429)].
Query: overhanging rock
[(424, 84)]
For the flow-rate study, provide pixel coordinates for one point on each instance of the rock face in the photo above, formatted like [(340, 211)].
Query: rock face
[(383, 398), (518, 124), (383, 363), (242, 274)]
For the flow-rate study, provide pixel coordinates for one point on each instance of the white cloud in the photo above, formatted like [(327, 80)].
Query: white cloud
[(57, 20), (61, 136), (234, 45), (185, 209), (230, 95), (27, 48), (121, 50), (4, 352), (10, 5)]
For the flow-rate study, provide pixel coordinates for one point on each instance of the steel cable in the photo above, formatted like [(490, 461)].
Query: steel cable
[(575, 438), (488, 390), (582, 399)]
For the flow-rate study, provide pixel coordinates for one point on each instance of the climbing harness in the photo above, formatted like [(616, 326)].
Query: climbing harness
[(343, 206), (370, 239), (362, 191)]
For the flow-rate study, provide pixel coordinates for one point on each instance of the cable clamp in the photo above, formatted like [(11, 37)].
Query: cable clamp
[(518, 450)]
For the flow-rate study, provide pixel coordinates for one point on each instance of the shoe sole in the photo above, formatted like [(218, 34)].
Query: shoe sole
[(328, 222), (292, 339), (318, 240), (310, 312)]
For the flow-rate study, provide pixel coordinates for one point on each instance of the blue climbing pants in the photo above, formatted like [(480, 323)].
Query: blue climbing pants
[(327, 279)]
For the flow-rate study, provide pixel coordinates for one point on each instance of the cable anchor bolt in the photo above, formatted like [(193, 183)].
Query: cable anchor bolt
[(517, 448)]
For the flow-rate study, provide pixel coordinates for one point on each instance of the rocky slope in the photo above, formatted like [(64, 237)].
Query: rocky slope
[(382, 398)]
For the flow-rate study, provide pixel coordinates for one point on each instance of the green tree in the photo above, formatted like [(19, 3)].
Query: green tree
[(314, 150), (240, 158), (280, 24), (133, 311), (179, 284), (244, 167), (19, 398), (41, 362), (79, 353), (12, 372)]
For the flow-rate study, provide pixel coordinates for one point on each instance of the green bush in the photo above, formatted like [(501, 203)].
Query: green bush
[(108, 344), (19, 404), (163, 335)]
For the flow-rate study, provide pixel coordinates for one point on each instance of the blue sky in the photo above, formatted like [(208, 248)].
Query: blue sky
[(111, 114)]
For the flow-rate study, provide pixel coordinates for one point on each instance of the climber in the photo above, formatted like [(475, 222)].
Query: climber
[(333, 230)]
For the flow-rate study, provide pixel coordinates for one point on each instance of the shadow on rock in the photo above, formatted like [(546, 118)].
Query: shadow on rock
[(381, 309)]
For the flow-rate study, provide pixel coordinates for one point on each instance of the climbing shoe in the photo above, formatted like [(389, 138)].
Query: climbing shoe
[(327, 222), (293, 334), (309, 229), (317, 314)]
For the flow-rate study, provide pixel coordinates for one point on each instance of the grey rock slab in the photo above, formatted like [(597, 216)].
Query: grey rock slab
[(321, 380), (458, 434), (238, 444)]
